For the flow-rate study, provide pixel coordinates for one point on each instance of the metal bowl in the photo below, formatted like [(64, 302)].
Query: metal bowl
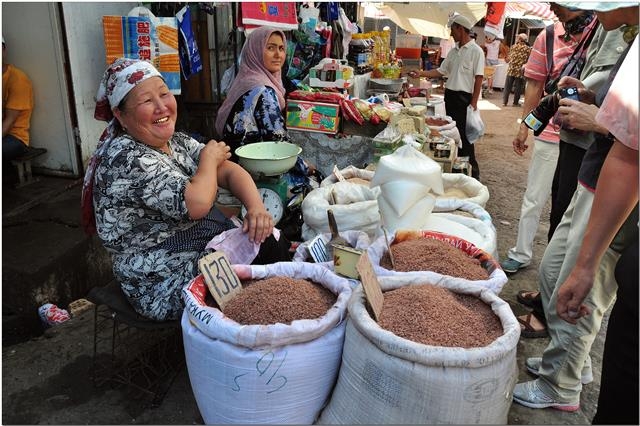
[(268, 158)]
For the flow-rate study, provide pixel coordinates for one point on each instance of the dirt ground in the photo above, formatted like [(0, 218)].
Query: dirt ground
[(47, 380)]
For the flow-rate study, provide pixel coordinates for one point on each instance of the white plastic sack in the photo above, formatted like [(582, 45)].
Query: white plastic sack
[(415, 217), (407, 163), (475, 125), (279, 373), (348, 172), (478, 232), (449, 130), (496, 281), (385, 379), (481, 221), (403, 194), (360, 215), (458, 186)]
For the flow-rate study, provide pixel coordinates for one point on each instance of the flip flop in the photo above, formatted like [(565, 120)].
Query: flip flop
[(528, 329), (530, 298)]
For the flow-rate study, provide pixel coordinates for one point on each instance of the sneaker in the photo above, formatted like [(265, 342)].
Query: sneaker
[(511, 265), (530, 395), (533, 365)]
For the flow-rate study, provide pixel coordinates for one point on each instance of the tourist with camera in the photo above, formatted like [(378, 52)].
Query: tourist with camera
[(592, 60), (551, 51), (565, 364)]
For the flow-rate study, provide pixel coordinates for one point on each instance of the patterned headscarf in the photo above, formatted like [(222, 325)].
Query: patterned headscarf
[(252, 73), (118, 80)]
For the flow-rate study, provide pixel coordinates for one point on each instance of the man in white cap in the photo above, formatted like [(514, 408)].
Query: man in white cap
[(17, 105), (464, 68)]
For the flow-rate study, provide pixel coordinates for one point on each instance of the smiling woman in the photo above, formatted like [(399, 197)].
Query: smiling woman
[(149, 192), (252, 111)]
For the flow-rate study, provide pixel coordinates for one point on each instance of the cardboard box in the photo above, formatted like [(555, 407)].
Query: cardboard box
[(313, 116)]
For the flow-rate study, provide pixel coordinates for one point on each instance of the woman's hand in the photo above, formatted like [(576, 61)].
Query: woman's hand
[(578, 115), (257, 223), (520, 141), (215, 151)]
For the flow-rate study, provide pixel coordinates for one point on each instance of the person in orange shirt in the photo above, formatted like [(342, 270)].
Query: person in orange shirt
[(17, 105)]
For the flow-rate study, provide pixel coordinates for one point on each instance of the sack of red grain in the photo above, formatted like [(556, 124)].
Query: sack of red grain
[(276, 373), (387, 379), (493, 277)]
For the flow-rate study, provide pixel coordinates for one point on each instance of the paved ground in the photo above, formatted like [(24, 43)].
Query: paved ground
[(47, 379)]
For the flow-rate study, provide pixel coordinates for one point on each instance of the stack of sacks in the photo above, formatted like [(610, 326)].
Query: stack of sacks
[(406, 179)]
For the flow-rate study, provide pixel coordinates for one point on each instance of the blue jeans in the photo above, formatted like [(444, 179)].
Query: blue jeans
[(12, 147)]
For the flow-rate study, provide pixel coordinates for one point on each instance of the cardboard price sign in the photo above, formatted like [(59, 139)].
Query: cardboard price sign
[(338, 174), (221, 279), (370, 284), (318, 249)]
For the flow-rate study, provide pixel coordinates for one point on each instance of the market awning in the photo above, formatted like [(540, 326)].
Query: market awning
[(532, 23), (430, 18), (530, 10)]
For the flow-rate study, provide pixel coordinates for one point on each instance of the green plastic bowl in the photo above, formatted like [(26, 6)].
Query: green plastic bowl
[(268, 158)]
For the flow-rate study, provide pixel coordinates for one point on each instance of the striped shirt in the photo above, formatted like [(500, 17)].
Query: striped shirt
[(536, 67)]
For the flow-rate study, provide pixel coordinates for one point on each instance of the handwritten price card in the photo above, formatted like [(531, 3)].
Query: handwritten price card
[(221, 279)]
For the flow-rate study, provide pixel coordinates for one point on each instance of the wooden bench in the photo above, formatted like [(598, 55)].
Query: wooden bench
[(23, 165)]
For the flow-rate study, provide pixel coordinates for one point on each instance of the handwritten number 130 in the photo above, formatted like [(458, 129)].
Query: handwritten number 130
[(223, 275)]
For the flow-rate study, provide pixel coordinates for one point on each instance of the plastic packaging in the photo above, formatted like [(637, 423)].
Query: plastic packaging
[(51, 314)]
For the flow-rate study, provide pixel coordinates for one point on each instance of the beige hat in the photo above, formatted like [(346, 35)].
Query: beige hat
[(462, 21), (523, 37)]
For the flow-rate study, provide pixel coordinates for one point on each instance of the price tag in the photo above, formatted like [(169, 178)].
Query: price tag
[(370, 284), (338, 175), (318, 249), (221, 279)]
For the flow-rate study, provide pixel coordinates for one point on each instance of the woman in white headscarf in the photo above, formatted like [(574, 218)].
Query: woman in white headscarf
[(149, 192)]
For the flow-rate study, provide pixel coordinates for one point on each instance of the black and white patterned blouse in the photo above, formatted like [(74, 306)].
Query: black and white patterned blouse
[(142, 219)]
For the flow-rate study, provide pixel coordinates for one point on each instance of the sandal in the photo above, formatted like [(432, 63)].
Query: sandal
[(531, 326), (530, 298)]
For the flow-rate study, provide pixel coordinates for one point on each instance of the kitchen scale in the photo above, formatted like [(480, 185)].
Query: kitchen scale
[(274, 193), (267, 162)]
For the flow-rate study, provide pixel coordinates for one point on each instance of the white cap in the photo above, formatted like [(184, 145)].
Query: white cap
[(462, 21)]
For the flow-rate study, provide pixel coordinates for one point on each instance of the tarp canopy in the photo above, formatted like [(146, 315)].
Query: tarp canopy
[(430, 18), (529, 10)]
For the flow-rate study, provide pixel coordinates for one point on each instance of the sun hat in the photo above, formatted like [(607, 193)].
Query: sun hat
[(602, 6)]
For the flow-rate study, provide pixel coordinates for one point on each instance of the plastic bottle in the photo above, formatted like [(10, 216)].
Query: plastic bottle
[(386, 42), (360, 54)]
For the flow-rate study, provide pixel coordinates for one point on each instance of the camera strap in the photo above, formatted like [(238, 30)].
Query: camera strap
[(549, 39), (574, 65)]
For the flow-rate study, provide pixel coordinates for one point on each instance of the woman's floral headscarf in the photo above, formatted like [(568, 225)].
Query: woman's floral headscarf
[(118, 80)]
